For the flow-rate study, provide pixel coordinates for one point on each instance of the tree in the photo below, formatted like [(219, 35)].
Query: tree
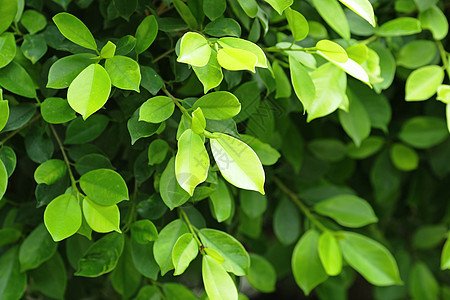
[(184, 148)]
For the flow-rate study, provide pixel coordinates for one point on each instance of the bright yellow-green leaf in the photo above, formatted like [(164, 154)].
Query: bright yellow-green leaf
[(362, 8), (124, 72), (445, 257), (89, 91), (198, 121), (400, 26), (358, 53), (194, 50), (332, 51), (108, 50), (221, 105), (331, 11), (156, 109), (443, 93), (236, 59), (423, 83), (232, 42), (210, 75), (7, 48), (191, 161), (62, 217), (330, 254), (434, 20), (4, 111), (404, 157), (184, 251), (302, 82), (8, 10), (101, 218), (146, 33), (280, 5), (50, 171), (218, 284), (75, 30), (297, 23), (238, 163)]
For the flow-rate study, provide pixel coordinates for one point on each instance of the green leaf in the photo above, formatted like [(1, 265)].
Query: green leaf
[(220, 105), (4, 112), (306, 265), (261, 275), (358, 53), (146, 33), (139, 129), (404, 158), (330, 253), (144, 231), (218, 283), (399, 26), (33, 47), (422, 284), (237, 59), (15, 79), (185, 13), (9, 159), (191, 161), (330, 83), (177, 291), (280, 5), (333, 14), (237, 162), (162, 249), (143, 259), (266, 153), (434, 20), (356, 121), (237, 260), (56, 111), (331, 51), (102, 256), (445, 256), (368, 147), (124, 72), (184, 251), (50, 171), (7, 48), (286, 222), (8, 10), (250, 7), (236, 43), (302, 82), (156, 109), (108, 50), (12, 281), (282, 84), (416, 54), (66, 69), (101, 218), (198, 121), (37, 248), (222, 202), (104, 186), (75, 30), (423, 132), (171, 192), (253, 204), (157, 151), (213, 9), (423, 83), (194, 50), (125, 278), (51, 277), (62, 217), (332, 150), (443, 93), (371, 259), (210, 75), (429, 236), (9, 236), (347, 210), (223, 27), (82, 131), (297, 23), (362, 8), (89, 91)]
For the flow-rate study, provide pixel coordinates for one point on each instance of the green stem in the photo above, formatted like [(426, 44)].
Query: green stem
[(443, 57), (34, 119), (370, 40), (191, 227), (300, 204), (163, 55), (66, 159), (178, 104)]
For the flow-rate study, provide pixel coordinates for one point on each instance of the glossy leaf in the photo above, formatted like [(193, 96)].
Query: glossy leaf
[(363, 8), (194, 50), (89, 91), (423, 132), (221, 200), (333, 14), (156, 109), (8, 11), (15, 79), (235, 59), (280, 5), (371, 259), (218, 284), (423, 83), (66, 69), (236, 43), (237, 162), (144, 231), (101, 218), (330, 254), (124, 72), (306, 265), (220, 105), (434, 20), (191, 161), (37, 248), (171, 192), (57, 110), (416, 54), (7, 48), (104, 186), (404, 158), (332, 51), (302, 82), (62, 217), (237, 260), (261, 275), (210, 75), (356, 122), (146, 33), (12, 281), (75, 30), (163, 247), (298, 24), (347, 210), (400, 26), (184, 251)]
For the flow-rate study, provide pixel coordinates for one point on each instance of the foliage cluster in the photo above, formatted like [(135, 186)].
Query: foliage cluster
[(224, 149)]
